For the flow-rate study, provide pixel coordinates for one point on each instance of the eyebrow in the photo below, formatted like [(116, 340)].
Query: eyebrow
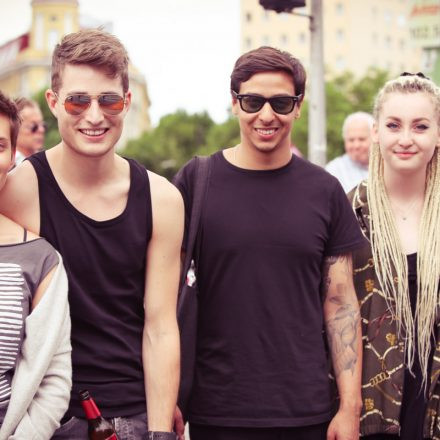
[(414, 120), (91, 94)]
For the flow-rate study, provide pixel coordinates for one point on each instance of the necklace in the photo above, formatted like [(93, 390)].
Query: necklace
[(404, 213)]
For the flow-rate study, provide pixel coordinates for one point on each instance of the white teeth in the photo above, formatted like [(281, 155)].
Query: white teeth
[(266, 131), (93, 132)]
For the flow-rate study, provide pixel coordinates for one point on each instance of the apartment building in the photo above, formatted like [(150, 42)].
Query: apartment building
[(358, 34)]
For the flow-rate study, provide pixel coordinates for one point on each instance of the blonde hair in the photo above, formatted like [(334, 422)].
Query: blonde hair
[(389, 259)]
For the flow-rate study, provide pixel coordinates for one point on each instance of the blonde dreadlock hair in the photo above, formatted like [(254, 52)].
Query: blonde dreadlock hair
[(389, 259)]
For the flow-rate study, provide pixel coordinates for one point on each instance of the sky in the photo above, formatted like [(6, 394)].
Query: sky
[(185, 49)]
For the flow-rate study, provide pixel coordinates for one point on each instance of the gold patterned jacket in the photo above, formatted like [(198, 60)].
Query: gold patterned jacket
[(383, 352)]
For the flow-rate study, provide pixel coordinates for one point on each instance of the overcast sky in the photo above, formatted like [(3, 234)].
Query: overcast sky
[(185, 48)]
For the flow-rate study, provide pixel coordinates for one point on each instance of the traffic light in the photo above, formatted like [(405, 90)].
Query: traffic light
[(282, 5)]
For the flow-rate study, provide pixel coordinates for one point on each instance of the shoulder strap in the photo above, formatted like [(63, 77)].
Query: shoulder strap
[(201, 177)]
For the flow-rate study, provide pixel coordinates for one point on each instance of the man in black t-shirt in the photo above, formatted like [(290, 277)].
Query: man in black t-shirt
[(273, 260)]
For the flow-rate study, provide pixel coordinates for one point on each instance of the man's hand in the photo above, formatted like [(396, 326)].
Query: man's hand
[(179, 424), (344, 425)]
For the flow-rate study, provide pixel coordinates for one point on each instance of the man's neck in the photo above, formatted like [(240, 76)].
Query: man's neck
[(81, 170), (248, 157)]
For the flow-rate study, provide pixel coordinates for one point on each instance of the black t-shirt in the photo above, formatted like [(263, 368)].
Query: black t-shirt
[(261, 358), (414, 399)]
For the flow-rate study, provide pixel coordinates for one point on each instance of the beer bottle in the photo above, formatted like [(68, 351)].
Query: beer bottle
[(99, 428)]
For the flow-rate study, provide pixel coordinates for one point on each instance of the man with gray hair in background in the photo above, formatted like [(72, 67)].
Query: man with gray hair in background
[(352, 167), (31, 134)]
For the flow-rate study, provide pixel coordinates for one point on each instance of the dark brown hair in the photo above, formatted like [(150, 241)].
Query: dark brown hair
[(92, 47), (268, 59), (9, 109)]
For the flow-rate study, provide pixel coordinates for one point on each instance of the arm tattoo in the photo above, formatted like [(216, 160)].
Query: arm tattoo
[(343, 320)]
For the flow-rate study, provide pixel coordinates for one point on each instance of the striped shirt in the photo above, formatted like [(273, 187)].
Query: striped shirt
[(22, 268)]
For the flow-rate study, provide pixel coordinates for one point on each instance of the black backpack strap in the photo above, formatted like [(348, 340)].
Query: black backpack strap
[(201, 178)]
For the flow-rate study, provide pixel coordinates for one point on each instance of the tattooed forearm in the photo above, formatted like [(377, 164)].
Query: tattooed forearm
[(342, 333), (341, 313)]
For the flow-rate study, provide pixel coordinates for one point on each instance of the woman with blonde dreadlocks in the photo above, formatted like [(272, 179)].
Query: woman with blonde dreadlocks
[(397, 274)]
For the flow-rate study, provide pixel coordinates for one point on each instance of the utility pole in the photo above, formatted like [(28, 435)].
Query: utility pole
[(317, 143), (317, 123)]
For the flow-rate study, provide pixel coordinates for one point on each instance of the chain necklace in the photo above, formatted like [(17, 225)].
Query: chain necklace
[(404, 213)]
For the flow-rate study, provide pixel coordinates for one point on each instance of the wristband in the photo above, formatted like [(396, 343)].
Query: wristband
[(160, 435)]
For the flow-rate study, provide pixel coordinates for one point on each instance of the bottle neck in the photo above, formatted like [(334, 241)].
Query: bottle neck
[(90, 408)]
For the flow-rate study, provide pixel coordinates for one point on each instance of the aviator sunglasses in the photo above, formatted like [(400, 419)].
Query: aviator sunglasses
[(254, 103), (109, 103)]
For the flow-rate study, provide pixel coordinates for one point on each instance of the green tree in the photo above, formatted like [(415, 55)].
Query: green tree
[(177, 138), (221, 136), (52, 136)]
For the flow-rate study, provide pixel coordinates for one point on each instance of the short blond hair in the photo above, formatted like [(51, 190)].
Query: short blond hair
[(92, 47)]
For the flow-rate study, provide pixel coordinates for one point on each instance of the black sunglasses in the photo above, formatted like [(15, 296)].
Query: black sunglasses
[(419, 74), (254, 103), (36, 125)]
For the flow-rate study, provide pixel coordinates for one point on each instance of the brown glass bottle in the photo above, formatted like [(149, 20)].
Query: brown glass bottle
[(99, 428)]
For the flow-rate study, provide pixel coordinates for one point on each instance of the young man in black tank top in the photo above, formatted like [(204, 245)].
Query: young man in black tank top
[(119, 229), (273, 261)]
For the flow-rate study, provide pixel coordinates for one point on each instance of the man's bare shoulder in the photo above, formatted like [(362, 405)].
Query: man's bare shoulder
[(19, 197), (164, 192)]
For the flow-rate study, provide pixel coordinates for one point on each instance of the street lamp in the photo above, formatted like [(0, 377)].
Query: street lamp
[(317, 127)]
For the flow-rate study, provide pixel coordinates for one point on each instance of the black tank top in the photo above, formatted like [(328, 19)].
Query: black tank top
[(105, 262)]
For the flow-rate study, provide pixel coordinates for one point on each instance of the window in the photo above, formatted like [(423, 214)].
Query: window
[(340, 36), (39, 22), (388, 16), (284, 40), (248, 42), (388, 42), (340, 63), (68, 23), (302, 38), (401, 21), (339, 9), (52, 39), (248, 17)]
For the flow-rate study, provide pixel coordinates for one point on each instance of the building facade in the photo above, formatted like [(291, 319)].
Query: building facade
[(26, 60), (357, 34)]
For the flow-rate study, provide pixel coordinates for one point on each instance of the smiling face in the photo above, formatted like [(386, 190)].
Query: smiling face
[(266, 132), (93, 132), (407, 132)]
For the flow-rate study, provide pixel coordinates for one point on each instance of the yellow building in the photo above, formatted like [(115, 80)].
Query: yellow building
[(25, 61), (358, 34)]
